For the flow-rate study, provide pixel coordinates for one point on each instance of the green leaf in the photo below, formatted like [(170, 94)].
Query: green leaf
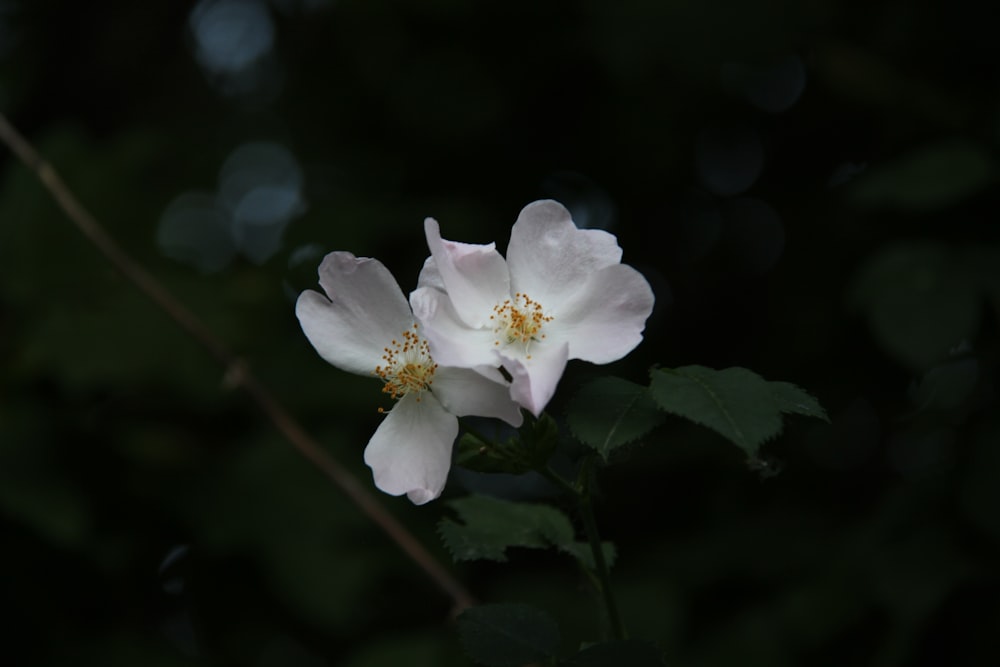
[(610, 412), (508, 635), (734, 402), (931, 177), (795, 400), (490, 526), (631, 652)]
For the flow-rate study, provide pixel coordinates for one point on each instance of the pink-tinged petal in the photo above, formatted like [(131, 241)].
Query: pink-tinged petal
[(549, 256), (535, 380), (468, 392), (474, 276), (363, 310), (605, 318), (453, 343), (411, 450)]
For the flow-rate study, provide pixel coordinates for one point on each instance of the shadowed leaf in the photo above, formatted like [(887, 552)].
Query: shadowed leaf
[(631, 652), (930, 177), (508, 635), (490, 526), (610, 412), (734, 402)]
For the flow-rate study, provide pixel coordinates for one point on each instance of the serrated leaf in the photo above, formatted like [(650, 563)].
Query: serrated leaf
[(795, 400), (631, 652), (734, 402), (610, 412), (508, 635), (490, 526)]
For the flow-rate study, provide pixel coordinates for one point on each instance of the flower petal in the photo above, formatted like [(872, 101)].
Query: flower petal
[(411, 450), (549, 257), (604, 319), (534, 380), (364, 309), (453, 343), (430, 276), (466, 391), (475, 276)]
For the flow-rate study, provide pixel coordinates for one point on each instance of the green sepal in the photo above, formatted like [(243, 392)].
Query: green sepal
[(530, 449)]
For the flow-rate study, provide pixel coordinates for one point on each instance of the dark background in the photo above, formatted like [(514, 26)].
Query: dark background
[(810, 187)]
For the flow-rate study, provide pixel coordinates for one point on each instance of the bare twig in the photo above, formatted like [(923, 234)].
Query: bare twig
[(237, 371)]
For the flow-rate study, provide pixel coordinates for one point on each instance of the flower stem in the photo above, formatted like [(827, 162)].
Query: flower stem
[(582, 496)]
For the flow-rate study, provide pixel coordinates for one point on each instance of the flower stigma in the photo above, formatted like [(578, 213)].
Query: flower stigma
[(408, 366), (519, 320)]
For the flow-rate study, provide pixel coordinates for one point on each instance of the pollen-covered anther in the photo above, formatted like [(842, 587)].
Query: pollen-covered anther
[(408, 366), (519, 320)]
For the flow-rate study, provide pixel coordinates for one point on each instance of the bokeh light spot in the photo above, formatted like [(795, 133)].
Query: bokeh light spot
[(194, 229), (729, 160), (261, 185), (260, 193), (231, 35), (771, 87)]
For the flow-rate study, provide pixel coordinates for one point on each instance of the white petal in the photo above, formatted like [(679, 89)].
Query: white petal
[(474, 276), (470, 392), (549, 256), (411, 450), (452, 341), (535, 380), (430, 276), (363, 310), (604, 320)]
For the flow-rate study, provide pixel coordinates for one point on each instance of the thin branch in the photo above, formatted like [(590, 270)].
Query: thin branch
[(238, 374)]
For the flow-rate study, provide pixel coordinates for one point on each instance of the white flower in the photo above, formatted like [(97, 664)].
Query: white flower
[(561, 294), (364, 325)]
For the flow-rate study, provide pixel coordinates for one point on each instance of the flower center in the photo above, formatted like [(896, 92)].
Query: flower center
[(408, 366), (519, 320)]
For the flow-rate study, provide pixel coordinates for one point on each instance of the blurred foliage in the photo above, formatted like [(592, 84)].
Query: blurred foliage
[(508, 635), (810, 189)]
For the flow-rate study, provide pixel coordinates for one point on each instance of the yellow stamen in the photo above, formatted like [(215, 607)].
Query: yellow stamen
[(519, 320), (408, 367)]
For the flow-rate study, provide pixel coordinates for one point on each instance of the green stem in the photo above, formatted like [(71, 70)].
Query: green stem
[(585, 507), (580, 493), (557, 479)]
